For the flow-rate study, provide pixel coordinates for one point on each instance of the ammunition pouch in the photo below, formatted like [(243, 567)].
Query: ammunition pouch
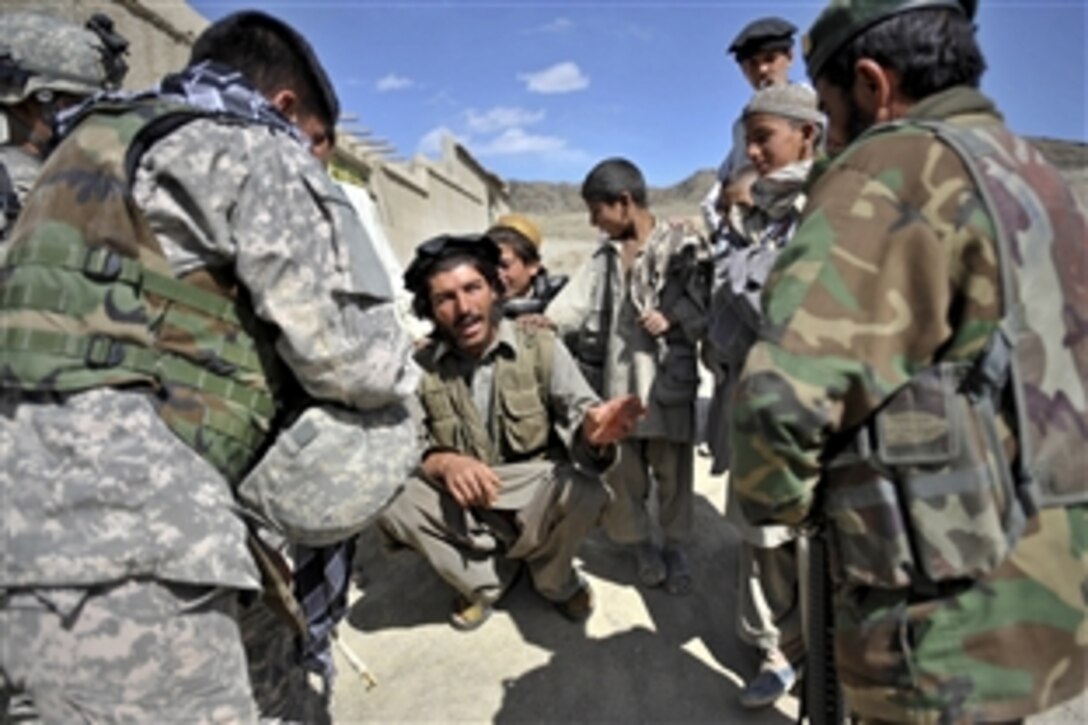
[(923, 493)]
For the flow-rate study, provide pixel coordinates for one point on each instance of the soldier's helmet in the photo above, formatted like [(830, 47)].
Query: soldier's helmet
[(843, 20), (41, 53)]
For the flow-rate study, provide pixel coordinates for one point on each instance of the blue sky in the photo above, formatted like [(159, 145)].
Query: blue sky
[(543, 90)]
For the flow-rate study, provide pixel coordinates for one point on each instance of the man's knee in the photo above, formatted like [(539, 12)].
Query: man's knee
[(401, 517), (582, 492)]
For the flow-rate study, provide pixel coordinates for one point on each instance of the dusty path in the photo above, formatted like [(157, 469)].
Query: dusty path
[(644, 656)]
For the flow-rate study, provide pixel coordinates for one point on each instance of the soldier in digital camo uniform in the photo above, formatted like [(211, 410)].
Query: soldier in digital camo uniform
[(178, 265), (920, 391), (46, 64)]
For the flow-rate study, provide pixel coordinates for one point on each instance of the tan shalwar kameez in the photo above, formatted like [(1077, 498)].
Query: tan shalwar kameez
[(546, 506), (598, 313)]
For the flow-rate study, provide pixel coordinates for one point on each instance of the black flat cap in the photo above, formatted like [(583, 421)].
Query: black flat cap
[(232, 29), (763, 34)]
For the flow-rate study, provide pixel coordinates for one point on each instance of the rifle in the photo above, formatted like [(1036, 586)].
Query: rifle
[(822, 700)]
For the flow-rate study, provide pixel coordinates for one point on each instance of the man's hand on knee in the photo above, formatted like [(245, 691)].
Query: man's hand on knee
[(470, 481)]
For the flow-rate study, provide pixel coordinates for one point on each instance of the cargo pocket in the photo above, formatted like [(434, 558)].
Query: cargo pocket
[(525, 423), (953, 481), (867, 532)]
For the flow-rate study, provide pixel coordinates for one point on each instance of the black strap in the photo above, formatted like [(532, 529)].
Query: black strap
[(9, 200)]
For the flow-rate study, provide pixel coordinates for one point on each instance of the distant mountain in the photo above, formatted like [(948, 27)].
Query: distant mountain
[(546, 199), (542, 198)]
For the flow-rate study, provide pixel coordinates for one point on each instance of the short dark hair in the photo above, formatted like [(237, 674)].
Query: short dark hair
[(525, 250), (609, 179), (930, 49), (272, 56), (421, 300)]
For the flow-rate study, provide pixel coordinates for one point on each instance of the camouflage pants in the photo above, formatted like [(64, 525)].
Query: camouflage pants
[(671, 466), (140, 651)]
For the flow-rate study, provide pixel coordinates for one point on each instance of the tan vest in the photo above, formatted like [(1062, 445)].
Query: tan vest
[(522, 427)]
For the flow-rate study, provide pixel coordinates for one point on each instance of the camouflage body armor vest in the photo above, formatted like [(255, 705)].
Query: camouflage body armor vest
[(936, 486), (87, 298), (522, 427)]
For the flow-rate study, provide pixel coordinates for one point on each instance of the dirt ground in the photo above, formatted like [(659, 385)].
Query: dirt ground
[(643, 657)]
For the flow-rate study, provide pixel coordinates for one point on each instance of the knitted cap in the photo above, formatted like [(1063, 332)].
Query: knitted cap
[(794, 101)]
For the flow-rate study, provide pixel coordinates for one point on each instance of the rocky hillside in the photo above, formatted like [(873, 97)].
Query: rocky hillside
[(547, 199), (562, 215), (540, 198)]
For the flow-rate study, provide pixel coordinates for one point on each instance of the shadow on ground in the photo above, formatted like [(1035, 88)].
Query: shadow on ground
[(645, 656)]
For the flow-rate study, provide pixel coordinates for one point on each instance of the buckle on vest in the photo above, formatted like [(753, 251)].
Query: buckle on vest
[(103, 352), (102, 264)]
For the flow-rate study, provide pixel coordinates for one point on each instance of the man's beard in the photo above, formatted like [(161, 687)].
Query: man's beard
[(858, 121), (450, 334)]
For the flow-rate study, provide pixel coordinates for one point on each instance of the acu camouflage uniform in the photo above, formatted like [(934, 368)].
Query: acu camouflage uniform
[(41, 53), (110, 500), (893, 277)]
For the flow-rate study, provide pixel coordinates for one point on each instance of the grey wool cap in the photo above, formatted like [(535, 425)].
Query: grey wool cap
[(794, 101)]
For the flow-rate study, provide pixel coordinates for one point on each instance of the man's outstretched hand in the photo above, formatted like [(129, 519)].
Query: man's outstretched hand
[(612, 420)]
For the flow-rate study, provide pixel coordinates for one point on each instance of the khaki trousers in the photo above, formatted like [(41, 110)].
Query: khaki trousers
[(544, 512), (768, 599), (642, 460)]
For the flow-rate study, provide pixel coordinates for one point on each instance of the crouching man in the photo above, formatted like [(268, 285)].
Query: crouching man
[(516, 442)]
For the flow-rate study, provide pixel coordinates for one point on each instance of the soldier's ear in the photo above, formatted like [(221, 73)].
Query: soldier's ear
[(286, 102), (875, 88)]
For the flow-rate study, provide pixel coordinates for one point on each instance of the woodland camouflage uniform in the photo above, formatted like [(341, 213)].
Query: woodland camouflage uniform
[(895, 268)]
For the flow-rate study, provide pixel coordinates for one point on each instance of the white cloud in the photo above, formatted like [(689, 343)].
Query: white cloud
[(500, 117), (516, 141), (393, 82), (431, 142), (559, 25), (562, 77)]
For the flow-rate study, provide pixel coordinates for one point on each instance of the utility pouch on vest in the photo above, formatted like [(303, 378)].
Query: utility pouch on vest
[(920, 494), (1039, 355), (331, 472)]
